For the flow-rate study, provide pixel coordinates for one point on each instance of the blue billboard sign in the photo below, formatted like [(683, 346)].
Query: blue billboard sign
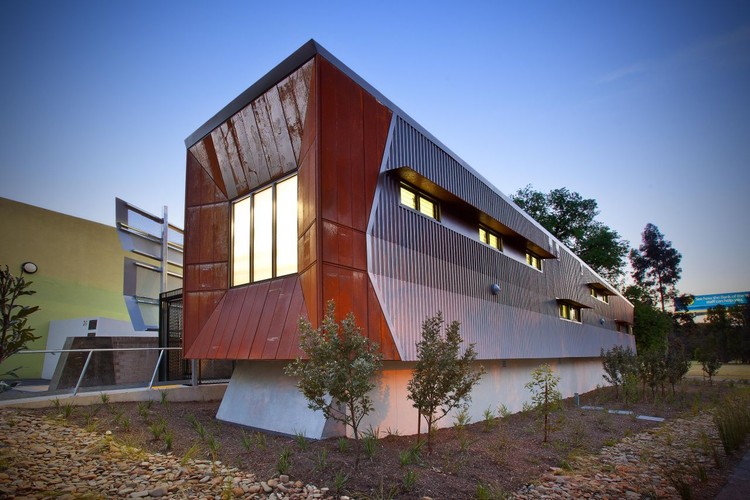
[(705, 302)]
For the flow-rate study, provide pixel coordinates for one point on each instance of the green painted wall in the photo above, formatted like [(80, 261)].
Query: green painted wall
[(80, 270)]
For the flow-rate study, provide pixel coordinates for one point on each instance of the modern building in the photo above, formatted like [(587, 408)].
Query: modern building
[(312, 186), (79, 274)]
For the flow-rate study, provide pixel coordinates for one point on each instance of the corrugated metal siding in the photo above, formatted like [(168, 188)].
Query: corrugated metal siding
[(410, 148), (420, 266)]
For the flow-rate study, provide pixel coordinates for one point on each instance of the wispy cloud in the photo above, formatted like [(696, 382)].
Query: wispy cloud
[(624, 72), (718, 47), (726, 48)]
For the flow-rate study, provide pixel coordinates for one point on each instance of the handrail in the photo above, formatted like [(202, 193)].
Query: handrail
[(101, 349), (105, 349)]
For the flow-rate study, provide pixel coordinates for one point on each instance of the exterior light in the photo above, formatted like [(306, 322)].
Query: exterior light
[(29, 268), (602, 321), (495, 289)]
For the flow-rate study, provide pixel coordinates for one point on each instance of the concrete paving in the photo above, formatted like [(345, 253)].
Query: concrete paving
[(176, 393), (738, 486)]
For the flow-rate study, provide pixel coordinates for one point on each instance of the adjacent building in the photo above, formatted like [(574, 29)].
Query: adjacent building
[(79, 275), (312, 186)]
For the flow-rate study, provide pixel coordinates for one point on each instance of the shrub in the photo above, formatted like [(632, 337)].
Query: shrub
[(442, 380), (545, 398), (617, 363), (341, 365)]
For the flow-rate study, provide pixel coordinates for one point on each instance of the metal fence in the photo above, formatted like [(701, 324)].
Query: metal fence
[(69, 360)]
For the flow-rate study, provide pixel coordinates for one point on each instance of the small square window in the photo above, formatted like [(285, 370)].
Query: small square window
[(533, 260), (408, 198), (415, 200), (599, 295), (489, 238), (427, 207), (570, 312)]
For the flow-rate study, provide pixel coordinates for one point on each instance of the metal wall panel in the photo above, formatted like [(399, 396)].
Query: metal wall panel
[(262, 141), (413, 149), (257, 321), (420, 266)]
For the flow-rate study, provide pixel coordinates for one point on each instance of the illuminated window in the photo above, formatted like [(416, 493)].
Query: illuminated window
[(533, 260), (419, 202), (264, 233), (490, 238), (570, 312), (599, 295)]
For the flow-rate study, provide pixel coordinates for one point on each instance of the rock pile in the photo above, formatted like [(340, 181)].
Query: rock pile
[(40, 458), (653, 464)]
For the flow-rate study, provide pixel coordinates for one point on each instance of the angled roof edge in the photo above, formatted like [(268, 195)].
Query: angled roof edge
[(307, 52)]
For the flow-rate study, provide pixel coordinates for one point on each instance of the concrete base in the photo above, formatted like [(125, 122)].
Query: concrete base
[(261, 396)]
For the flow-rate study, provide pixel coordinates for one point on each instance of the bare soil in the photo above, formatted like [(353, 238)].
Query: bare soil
[(503, 454)]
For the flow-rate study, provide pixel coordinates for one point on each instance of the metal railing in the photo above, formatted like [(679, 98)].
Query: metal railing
[(113, 349)]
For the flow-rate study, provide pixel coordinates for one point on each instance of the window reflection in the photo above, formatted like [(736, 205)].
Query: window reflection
[(241, 242), (262, 235), (286, 227)]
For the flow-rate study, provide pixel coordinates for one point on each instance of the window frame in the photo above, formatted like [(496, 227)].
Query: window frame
[(599, 295), (251, 230), (565, 311), (530, 256), (418, 196), (489, 232)]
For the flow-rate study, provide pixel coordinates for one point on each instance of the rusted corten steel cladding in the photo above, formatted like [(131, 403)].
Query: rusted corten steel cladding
[(352, 149)]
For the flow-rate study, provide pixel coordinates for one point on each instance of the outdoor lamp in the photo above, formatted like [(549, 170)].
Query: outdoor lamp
[(29, 268), (495, 289)]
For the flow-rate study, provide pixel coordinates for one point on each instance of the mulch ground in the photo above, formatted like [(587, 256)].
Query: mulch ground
[(490, 458)]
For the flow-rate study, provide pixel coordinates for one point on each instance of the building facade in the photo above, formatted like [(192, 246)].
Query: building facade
[(311, 186), (79, 272)]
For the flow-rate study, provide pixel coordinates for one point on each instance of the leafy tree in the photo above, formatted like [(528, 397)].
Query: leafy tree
[(652, 370), (656, 265), (677, 364), (710, 363), (545, 398), (339, 372), (442, 379), (572, 219), (651, 326), (740, 317), (617, 363), (685, 331), (14, 333)]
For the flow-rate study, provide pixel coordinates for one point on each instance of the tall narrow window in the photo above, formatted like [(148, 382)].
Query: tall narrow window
[(264, 233), (286, 226), (262, 226), (490, 238), (418, 201), (241, 241)]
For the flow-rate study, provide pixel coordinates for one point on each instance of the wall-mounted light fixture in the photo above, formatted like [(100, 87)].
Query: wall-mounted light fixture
[(495, 288), (29, 268), (602, 321)]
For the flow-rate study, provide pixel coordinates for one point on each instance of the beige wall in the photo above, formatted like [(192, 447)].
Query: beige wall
[(80, 270), (261, 395)]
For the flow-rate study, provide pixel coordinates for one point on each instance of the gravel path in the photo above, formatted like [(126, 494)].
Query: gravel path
[(653, 464), (42, 457)]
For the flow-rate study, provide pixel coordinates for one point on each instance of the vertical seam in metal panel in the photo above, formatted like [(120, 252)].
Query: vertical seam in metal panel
[(318, 70)]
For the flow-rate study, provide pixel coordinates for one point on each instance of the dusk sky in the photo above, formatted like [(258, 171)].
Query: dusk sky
[(641, 105)]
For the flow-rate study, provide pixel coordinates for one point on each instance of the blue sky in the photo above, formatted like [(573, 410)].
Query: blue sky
[(643, 105)]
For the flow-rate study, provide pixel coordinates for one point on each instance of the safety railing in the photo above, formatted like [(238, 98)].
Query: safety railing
[(91, 351)]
